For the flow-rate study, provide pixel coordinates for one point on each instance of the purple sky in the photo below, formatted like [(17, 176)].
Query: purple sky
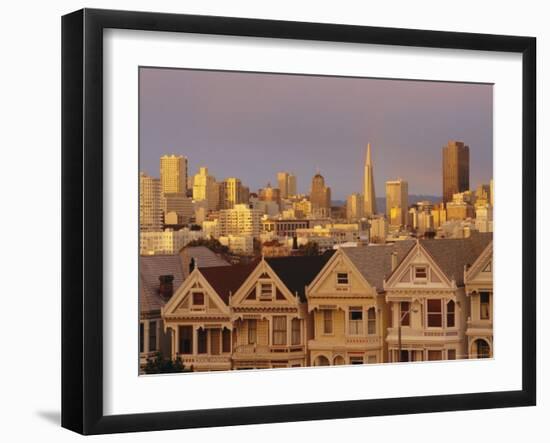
[(253, 125)]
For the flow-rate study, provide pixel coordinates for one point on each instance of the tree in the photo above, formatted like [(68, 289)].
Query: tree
[(195, 227), (210, 243), (160, 365), (310, 248)]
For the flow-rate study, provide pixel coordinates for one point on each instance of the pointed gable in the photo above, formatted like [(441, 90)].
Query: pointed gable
[(453, 254), (296, 272), (374, 262), (226, 280)]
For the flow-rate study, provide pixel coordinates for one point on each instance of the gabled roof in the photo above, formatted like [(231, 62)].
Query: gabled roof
[(204, 257), (226, 280), (150, 269), (374, 261), (298, 271), (452, 254)]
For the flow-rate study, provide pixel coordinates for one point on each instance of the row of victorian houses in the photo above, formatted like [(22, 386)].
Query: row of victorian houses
[(414, 300)]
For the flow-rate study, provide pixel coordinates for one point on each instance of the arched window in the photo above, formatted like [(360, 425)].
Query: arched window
[(483, 349), (321, 360), (451, 314)]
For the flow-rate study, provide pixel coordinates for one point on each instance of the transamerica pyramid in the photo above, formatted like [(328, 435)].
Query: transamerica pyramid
[(368, 187)]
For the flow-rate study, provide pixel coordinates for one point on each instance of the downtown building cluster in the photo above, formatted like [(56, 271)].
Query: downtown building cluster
[(235, 279)]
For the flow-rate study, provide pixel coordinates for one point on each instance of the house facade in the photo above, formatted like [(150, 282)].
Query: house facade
[(347, 308), (478, 279), (427, 301)]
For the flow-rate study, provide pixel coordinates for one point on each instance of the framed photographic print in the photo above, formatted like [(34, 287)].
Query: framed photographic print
[(268, 221)]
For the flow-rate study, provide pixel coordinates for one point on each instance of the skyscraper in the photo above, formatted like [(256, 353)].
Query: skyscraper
[(287, 184), (369, 206), (150, 205), (173, 174), (206, 188), (231, 193), (397, 202), (320, 197), (456, 169), (354, 207)]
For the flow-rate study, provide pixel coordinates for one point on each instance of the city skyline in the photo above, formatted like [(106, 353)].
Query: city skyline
[(209, 95)]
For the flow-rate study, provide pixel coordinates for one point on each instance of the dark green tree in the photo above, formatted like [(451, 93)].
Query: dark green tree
[(160, 365), (310, 248)]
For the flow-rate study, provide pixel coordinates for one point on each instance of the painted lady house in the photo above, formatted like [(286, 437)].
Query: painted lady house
[(478, 280), (269, 313), (427, 301), (347, 307), (199, 318)]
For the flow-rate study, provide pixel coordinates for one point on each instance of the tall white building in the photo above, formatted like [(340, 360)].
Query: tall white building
[(150, 205), (205, 188), (166, 242), (240, 220), (397, 199), (173, 174), (231, 193)]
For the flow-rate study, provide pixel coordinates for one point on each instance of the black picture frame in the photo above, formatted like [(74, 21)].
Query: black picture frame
[(82, 218)]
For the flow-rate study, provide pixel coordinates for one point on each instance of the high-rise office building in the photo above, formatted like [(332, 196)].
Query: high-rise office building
[(287, 184), (205, 188), (173, 174), (240, 220), (369, 205), (319, 197), (397, 202), (231, 192), (456, 169), (354, 207), (150, 204)]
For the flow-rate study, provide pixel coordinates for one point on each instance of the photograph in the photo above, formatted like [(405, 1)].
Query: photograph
[(295, 221)]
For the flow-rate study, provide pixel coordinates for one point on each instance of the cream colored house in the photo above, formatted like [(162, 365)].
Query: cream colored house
[(478, 279), (269, 313), (347, 306), (427, 299), (198, 317)]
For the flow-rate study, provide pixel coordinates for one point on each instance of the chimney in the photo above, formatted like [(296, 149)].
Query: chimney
[(166, 286), (393, 261), (191, 265)]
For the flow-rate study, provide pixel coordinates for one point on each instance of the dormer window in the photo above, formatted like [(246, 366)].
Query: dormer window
[(420, 272), (342, 278)]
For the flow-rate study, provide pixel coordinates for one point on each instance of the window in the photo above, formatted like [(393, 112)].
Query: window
[(202, 341), (420, 272), (141, 337), (198, 299), (152, 336), (405, 313), (342, 278), (215, 341), (451, 314), (435, 355), (226, 340), (451, 354), (279, 330), (252, 331), (327, 321), (266, 291), (371, 321), (186, 339), (434, 313), (355, 321), (405, 356), (483, 350), (356, 360), (484, 306), (296, 331)]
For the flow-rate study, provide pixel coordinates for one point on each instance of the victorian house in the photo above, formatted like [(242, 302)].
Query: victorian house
[(160, 276), (478, 280), (346, 303), (427, 299), (269, 313), (198, 317)]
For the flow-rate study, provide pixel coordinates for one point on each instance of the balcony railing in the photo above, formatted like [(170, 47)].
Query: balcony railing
[(266, 349), (364, 340), (189, 359)]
